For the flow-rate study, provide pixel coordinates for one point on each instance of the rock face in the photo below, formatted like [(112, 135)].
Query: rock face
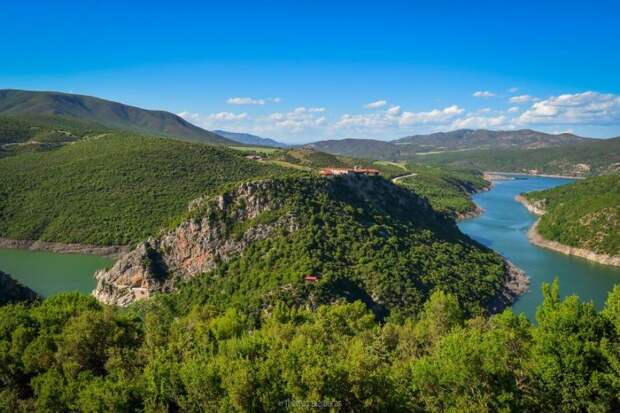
[(220, 228), (12, 291), (536, 208), (516, 283)]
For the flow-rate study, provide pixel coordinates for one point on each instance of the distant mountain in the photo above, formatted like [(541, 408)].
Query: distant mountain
[(359, 148), (249, 139), (593, 157), (463, 139), (458, 140), (105, 113)]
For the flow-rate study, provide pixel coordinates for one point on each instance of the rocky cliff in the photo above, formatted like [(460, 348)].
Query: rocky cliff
[(309, 241), (213, 233)]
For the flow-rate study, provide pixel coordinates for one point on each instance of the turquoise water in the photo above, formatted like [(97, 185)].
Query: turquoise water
[(49, 273), (503, 227)]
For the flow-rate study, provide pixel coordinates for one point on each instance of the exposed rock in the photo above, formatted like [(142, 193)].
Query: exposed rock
[(536, 208), (516, 283), (537, 239), (12, 291), (196, 246)]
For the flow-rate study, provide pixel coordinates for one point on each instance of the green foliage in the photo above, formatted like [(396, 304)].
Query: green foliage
[(585, 214), (98, 359), (364, 240), (115, 189), (600, 156), (448, 190), (52, 108)]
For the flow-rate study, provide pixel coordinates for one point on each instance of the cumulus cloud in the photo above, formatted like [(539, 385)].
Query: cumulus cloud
[(513, 109), (214, 120), (297, 120), (483, 94), (394, 117), (434, 116), (521, 99), (251, 101), (376, 104), (480, 122), (588, 108)]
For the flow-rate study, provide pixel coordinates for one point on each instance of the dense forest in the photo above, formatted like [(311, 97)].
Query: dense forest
[(585, 214), (69, 353), (448, 190), (113, 189), (601, 156), (363, 237)]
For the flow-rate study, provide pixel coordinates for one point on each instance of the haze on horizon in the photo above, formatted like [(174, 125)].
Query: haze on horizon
[(292, 72)]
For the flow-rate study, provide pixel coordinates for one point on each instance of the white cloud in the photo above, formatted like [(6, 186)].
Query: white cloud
[(214, 120), (394, 111), (513, 109), (434, 116), (298, 120), (251, 101), (376, 104), (513, 89), (394, 117), (483, 94), (521, 99), (480, 122), (588, 108)]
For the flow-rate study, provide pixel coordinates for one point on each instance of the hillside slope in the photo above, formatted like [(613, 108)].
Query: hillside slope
[(464, 139), (115, 189), (584, 214), (362, 237), (105, 113), (598, 157), (454, 142), (448, 190), (359, 148)]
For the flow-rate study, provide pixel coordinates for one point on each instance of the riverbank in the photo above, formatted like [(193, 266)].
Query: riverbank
[(516, 283), (112, 252), (500, 175), (537, 239)]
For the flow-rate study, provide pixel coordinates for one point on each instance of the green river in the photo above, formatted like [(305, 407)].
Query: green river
[(503, 227), (49, 273)]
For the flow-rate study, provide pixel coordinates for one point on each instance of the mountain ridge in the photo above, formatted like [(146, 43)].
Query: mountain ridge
[(40, 105), (249, 139)]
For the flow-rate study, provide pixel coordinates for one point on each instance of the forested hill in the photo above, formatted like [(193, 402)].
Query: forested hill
[(458, 142), (596, 157), (360, 237), (112, 189), (585, 214), (464, 139), (54, 106)]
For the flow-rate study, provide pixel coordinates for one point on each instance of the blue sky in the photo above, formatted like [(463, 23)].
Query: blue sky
[(306, 70)]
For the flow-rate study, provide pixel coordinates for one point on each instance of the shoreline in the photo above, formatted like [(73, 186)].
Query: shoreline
[(516, 284), (537, 239), (498, 173), (112, 252)]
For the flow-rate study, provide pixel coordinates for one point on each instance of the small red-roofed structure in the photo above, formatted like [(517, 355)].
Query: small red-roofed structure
[(311, 278)]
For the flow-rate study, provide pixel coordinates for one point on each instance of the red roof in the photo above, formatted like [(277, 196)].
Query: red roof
[(311, 278)]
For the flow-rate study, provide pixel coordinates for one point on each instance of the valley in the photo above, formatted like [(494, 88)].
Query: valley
[(224, 264)]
